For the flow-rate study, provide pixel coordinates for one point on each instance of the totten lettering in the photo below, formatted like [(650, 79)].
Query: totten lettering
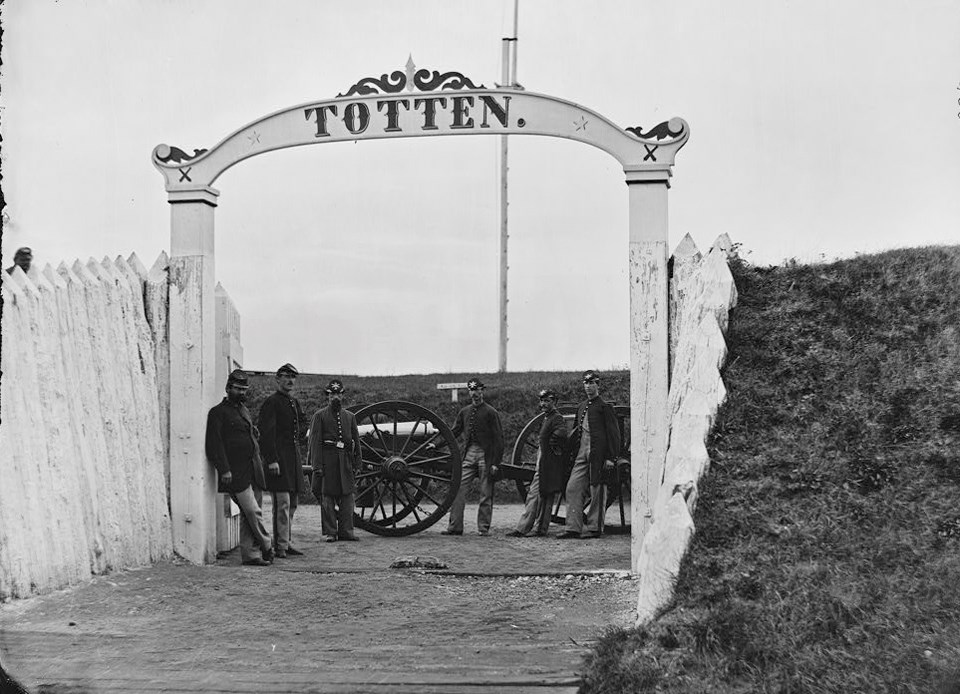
[(357, 117)]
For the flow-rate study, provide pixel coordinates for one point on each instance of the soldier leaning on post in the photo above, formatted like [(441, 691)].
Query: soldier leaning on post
[(595, 440), (548, 478), (334, 456), (482, 449), (283, 428), (231, 444)]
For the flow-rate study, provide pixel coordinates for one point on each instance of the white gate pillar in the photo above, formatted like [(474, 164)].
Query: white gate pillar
[(193, 368), (649, 345)]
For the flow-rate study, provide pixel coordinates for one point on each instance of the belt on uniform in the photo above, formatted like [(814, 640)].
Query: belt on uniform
[(333, 444)]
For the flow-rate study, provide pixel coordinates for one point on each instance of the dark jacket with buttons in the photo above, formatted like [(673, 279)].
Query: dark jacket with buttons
[(231, 445), (604, 434), (283, 428), (333, 465), (552, 462), (481, 425)]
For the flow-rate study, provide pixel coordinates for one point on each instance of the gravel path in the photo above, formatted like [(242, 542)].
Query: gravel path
[(507, 615)]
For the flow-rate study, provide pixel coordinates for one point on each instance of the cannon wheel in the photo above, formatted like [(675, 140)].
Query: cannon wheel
[(409, 475), (523, 463)]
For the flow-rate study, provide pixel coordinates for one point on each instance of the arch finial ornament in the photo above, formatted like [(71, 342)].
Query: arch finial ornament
[(671, 129), (397, 81), (167, 154)]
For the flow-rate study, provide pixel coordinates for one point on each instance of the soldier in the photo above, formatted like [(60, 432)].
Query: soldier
[(548, 478), (231, 444), (23, 257), (334, 457), (282, 430), (482, 449), (595, 439)]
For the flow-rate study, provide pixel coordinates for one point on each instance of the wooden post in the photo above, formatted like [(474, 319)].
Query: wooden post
[(649, 345), (193, 387)]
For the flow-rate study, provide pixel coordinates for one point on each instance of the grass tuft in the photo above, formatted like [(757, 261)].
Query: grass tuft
[(619, 664)]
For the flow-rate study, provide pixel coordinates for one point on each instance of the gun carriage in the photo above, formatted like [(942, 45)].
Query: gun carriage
[(616, 476)]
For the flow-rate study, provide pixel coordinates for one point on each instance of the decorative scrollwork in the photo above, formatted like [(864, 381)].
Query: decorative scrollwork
[(426, 81), (410, 79), (167, 154), (659, 132), (391, 84)]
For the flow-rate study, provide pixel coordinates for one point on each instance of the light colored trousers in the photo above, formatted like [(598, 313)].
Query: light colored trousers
[(336, 515), (253, 534), (538, 509), (284, 506), (474, 465), (577, 493)]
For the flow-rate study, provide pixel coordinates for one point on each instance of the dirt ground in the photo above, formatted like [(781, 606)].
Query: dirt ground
[(507, 615)]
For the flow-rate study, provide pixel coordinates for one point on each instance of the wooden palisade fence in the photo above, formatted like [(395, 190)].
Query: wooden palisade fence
[(83, 439), (702, 293)]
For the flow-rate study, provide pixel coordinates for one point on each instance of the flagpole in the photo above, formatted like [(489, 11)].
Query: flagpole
[(508, 76)]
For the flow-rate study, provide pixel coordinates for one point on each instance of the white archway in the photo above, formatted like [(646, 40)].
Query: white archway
[(410, 103)]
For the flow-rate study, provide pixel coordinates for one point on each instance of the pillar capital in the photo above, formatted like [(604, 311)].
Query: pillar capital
[(204, 194), (638, 175)]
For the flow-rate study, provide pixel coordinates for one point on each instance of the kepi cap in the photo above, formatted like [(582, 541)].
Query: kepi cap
[(591, 376), (335, 386), (546, 393), (288, 369), (475, 384), (238, 379), (23, 252)]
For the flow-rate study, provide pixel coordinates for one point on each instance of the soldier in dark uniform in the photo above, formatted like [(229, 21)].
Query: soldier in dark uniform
[(482, 449), (231, 444), (548, 478), (283, 428), (334, 457), (595, 440)]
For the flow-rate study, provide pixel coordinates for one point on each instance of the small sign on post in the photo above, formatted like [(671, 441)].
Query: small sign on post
[(454, 389)]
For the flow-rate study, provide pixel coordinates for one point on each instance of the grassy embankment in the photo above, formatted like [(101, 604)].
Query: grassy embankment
[(514, 395), (827, 550)]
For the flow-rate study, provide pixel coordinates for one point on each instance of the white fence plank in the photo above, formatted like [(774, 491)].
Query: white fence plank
[(155, 290)]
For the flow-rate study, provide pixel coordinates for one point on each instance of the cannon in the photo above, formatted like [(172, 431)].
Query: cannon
[(523, 464), (409, 472)]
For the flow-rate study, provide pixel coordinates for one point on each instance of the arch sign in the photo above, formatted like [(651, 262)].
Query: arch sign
[(407, 103)]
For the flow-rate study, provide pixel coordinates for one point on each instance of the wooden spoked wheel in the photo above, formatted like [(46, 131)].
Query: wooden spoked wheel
[(410, 468)]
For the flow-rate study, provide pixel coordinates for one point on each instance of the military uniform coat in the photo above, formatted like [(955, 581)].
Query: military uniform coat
[(231, 445), (553, 458), (604, 434), (282, 429), (480, 424), (334, 464)]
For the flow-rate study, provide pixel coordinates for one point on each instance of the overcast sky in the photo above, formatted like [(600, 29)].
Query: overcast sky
[(819, 129)]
